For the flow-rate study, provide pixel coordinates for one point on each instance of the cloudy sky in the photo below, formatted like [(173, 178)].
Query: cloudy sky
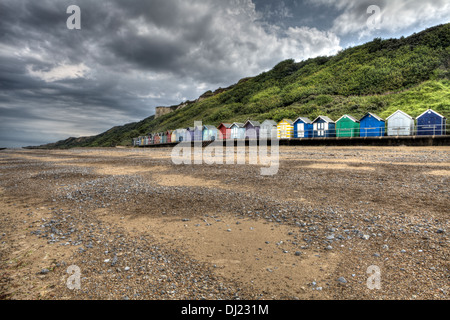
[(133, 55)]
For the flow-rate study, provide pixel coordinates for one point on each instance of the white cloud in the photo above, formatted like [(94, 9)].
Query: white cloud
[(60, 72), (238, 45), (312, 42)]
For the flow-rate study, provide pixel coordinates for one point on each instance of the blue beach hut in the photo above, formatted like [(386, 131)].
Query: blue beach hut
[(372, 125), (237, 131), (303, 128), (324, 127), (210, 133), (431, 123)]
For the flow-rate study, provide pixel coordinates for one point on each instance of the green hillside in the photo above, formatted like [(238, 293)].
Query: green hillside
[(382, 76)]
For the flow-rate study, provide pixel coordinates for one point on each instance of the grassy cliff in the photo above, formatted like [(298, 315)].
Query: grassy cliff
[(382, 76)]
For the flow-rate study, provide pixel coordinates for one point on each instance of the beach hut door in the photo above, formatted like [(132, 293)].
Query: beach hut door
[(301, 130), (321, 129), (399, 126)]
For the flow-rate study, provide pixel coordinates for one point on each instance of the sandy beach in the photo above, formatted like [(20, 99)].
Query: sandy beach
[(140, 227)]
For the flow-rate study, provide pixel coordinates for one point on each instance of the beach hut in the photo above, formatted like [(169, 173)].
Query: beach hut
[(174, 139), (198, 133), (431, 123), (163, 137), (324, 127), (141, 140), (157, 138), (400, 124), (285, 129), (372, 125), (150, 139), (180, 135), (189, 134), (347, 126), (210, 133), (303, 128), (224, 131), (169, 136), (268, 130), (135, 142), (237, 131), (252, 129)]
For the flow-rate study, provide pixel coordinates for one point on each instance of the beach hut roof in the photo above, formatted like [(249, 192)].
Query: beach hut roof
[(400, 112), (325, 118), (373, 115), (440, 115), (270, 122), (238, 124), (209, 127), (287, 120), (348, 116), (304, 119), (253, 123), (226, 125)]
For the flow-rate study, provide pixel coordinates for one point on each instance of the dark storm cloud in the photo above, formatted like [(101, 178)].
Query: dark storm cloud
[(158, 54), (34, 41)]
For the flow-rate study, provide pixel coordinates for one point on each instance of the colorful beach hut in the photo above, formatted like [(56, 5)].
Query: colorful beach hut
[(169, 136), (431, 123), (181, 135), (237, 131), (189, 134), (210, 133), (347, 126), (268, 130), (303, 128), (163, 137), (400, 124), (157, 138), (285, 129), (198, 133), (252, 129), (224, 131), (324, 127), (174, 139), (372, 125)]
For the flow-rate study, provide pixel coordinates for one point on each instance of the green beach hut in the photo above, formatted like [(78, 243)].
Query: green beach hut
[(347, 127)]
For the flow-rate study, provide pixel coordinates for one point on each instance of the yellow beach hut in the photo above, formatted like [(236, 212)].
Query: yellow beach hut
[(285, 129), (173, 138)]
